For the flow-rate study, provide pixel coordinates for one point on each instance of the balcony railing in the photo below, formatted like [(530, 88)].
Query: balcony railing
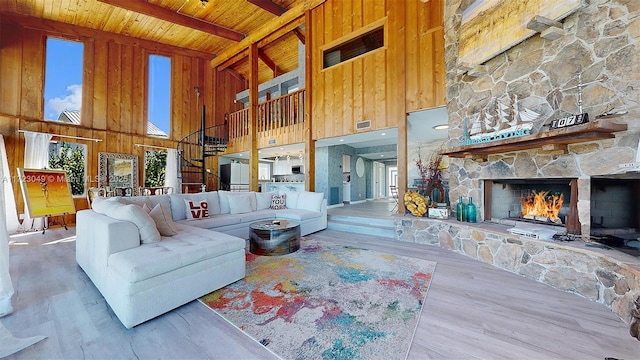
[(281, 113)]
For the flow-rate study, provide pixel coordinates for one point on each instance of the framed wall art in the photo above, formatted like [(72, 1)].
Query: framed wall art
[(46, 192)]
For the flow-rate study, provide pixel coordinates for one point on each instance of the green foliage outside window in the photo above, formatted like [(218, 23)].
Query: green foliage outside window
[(70, 158), (155, 164)]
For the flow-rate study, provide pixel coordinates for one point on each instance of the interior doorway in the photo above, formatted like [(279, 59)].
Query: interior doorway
[(379, 183)]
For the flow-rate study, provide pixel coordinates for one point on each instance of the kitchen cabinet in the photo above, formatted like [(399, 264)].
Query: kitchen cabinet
[(282, 168), (234, 173), (239, 173), (346, 163)]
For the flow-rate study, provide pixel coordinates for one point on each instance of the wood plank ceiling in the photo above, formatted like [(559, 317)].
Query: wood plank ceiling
[(205, 26)]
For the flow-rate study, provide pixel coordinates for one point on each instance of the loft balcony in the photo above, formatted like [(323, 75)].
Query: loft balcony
[(280, 122)]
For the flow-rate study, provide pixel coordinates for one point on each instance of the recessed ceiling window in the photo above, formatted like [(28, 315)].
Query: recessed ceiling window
[(63, 80), (352, 48), (159, 96)]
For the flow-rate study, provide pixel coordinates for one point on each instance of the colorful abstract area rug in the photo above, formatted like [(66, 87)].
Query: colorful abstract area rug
[(328, 301)]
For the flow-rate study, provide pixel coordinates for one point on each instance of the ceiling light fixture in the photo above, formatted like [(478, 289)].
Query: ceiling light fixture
[(383, 134), (441, 127), (204, 3)]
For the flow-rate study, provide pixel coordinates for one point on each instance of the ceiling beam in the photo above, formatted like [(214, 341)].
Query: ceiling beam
[(267, 61), (299, 34), (269, 6), (292, 14), (159, 12)]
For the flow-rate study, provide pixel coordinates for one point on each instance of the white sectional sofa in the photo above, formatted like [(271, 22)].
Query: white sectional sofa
[(232, 212), (143, 274)]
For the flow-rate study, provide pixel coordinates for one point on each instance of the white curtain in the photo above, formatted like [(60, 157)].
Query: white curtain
[(171, 171), (6, 287), (36, 156), (12, 222)]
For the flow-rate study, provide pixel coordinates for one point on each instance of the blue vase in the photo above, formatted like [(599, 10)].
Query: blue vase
[(471, 211), (460, 210)]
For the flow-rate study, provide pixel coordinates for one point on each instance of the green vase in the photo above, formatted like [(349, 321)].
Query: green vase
[(460, 210), (471, 211)]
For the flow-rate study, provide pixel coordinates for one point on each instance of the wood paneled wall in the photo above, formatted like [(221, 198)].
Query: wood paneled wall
[(114, 94), (404, 76)]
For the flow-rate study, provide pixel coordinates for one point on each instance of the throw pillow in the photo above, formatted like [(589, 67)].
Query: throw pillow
[(146, 208), (263, 200), (196, 209), (278, 202), (143, 221), (309, 200), (292, 198), (163, 220), (240, 204)]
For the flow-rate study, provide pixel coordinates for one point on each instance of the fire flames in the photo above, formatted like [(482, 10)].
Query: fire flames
[(542, 206)]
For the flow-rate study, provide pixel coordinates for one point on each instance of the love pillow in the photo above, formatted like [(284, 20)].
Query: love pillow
[(196, 209)]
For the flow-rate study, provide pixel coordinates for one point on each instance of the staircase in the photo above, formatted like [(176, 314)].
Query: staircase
[(193, 150), (362, 225)]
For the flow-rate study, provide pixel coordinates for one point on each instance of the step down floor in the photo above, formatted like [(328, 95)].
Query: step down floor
[(362, 225)]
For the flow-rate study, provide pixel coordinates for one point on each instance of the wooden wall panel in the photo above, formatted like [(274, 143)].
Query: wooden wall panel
[(425, 55), (114, 96), (407, 74), (10, 57)]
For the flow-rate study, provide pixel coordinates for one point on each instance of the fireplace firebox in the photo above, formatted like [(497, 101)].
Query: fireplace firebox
[(537, 201), (614, 213)]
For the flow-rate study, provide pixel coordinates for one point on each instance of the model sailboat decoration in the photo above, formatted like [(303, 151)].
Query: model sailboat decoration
[(498, 121)]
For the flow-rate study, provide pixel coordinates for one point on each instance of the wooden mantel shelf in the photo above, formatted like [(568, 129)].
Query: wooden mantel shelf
[(550, 140)]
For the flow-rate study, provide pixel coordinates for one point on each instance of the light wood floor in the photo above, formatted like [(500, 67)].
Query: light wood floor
[(472, 311)]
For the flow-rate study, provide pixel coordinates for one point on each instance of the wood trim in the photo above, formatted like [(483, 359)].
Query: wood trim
[(597, 130), (253, 118), (309, 142), (267, 61), (301, 36), (382, 22)]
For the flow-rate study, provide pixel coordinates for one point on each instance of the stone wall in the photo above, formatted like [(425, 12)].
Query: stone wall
[(602, 40), (587, 273)]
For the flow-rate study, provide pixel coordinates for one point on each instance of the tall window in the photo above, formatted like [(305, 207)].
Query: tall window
[(159, 100), (63, 80), (70, 157), (155, 167)]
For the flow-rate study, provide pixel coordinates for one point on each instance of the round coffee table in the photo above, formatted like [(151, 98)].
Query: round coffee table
[(274, 237)]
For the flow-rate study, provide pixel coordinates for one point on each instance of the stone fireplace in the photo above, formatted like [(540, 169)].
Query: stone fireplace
[(596, 52)]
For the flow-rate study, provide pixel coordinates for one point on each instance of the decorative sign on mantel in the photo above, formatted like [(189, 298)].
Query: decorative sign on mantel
[(498, 121), (490, 27)]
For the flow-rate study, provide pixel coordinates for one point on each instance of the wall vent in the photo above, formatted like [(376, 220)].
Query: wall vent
[(272, 141), (363, 125)]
